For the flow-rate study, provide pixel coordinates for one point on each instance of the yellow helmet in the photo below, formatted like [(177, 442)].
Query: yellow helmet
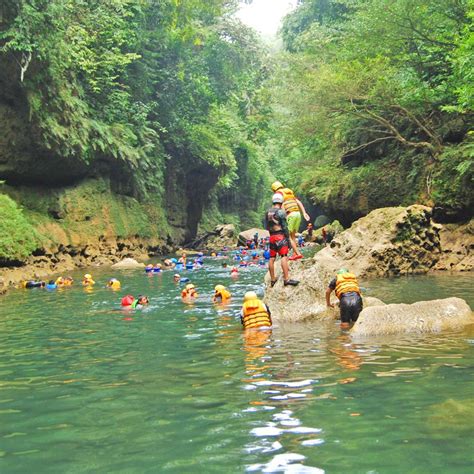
[(189, 286), (219, 288), (250, 295), (276, 186), (87, 276)]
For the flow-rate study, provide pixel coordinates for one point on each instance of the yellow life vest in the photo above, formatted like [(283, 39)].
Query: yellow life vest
[(255, 315), (345, 283), (289, 200), (224, 294)]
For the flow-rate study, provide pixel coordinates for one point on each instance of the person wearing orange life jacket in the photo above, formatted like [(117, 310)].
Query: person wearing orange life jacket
[(255, 313), (221, 294), (347, 290), (294, 209), (189, 291)]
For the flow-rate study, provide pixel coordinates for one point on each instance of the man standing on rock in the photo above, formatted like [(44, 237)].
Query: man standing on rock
[(292, 206), (347, 290), (275, 223)]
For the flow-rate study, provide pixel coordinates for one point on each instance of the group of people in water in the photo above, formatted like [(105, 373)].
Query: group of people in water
[(282, 220)]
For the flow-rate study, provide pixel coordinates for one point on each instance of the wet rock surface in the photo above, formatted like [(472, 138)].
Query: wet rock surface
[(420, 317)]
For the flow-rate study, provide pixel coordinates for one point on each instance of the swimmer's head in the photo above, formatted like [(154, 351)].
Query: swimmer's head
[(250, 295)]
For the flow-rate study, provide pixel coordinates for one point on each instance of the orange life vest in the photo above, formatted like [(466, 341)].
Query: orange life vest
[(289, 200), (255, 315), (189, 293), (346, 282)]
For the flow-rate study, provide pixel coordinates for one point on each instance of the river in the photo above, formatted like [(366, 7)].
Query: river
[(87, 387)]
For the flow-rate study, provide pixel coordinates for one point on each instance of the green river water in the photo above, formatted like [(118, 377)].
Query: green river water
[(86, 387)]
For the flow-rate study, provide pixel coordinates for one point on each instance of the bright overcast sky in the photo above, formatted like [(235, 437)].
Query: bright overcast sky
[(265, 15)]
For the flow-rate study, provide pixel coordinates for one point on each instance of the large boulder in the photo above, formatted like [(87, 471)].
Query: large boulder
[(308, 299), (305, 301), (127, 263), (420, 317), (249, 233), (388, 241)]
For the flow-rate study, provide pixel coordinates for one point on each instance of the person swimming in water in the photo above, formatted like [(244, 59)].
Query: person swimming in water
[(114, 284), (255, 313), (221, 294), (130, 302), (51, 285), (88, 280), (189, 292), (177, 278), (32, 284)]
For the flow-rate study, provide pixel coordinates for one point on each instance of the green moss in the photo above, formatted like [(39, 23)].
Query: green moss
[(18, 238)]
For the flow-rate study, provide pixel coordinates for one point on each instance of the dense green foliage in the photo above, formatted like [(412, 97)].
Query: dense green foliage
[(376, 103), (141, 86), (17, 237)]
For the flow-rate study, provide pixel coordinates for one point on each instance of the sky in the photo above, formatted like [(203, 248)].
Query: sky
[(265, 15)]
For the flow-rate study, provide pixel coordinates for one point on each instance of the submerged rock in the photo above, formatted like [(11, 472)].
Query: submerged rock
[(128, 263), (420, 317)]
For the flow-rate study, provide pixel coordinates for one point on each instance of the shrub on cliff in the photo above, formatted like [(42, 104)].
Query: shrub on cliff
[(17, 237)]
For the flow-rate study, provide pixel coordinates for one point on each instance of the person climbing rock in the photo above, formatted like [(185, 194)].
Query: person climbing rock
[(255, 313), (276, 224), (348, 291), (294, 209)]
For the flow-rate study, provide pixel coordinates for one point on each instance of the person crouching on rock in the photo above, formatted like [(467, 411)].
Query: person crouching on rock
[(347, 290), (255, 313), (276, 224)]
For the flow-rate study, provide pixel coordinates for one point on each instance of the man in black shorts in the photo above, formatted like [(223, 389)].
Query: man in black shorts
[(347, 290)]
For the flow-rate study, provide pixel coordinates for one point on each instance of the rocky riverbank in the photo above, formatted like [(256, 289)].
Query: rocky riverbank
[(64, 258)]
